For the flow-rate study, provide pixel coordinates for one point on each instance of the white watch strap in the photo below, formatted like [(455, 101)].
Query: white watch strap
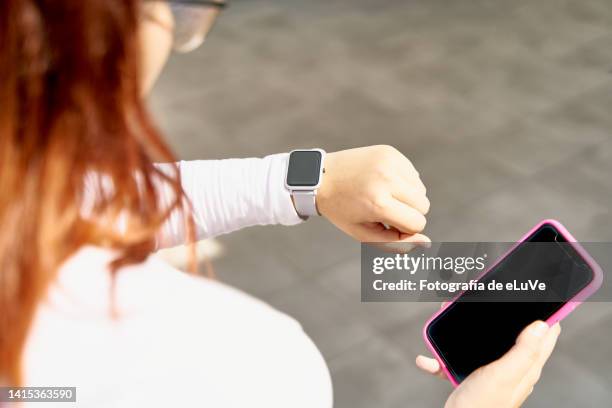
[(305, 203)]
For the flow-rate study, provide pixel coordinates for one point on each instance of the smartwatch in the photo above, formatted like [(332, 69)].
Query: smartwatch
[(304, 175)]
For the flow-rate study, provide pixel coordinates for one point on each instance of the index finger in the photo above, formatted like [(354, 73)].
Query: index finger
[(402, 216)]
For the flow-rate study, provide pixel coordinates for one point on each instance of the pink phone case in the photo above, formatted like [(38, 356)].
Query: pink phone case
[(559, 314)]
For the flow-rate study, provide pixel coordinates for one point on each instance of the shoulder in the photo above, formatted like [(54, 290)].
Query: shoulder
[(218, 345)]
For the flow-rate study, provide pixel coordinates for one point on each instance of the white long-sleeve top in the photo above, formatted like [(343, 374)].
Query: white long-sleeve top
[(180, 340)]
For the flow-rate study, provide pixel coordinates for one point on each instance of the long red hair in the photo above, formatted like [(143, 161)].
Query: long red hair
[(71, 107)]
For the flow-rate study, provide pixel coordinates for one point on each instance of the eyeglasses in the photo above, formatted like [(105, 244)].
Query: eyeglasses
[(193, 21)]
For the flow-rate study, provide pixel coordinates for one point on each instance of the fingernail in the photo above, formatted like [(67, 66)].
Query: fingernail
[(539, 329)]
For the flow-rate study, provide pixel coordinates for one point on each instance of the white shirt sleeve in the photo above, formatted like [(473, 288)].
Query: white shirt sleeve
[(227, 195)]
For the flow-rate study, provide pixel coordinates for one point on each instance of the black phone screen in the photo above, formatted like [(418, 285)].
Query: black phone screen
[(468, 335)]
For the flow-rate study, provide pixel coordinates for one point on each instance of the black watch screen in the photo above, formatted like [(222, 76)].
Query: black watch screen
[(304, 168)]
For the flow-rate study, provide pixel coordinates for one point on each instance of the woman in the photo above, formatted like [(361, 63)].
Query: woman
[(83, 206)]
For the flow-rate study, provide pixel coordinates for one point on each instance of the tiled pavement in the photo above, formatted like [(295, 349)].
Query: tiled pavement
[(505, 107)]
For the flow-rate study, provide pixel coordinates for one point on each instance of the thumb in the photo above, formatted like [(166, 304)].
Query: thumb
[(516, 363), (377, 232)]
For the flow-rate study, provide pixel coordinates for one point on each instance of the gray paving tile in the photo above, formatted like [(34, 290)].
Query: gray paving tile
[(456, 174), (407, 335), (344, 279), (242, 99), (586, 114), (586, 174), (578, 324), (567, 26), (352, 118), (376, 373), (588, 347), (327, 318), (600, 227), (595, 55), (511, 211), (311, 247), (250, 267), (191, 138), (564, 384), (527, 146)]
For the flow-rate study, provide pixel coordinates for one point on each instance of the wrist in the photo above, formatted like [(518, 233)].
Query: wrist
[(324, 192)]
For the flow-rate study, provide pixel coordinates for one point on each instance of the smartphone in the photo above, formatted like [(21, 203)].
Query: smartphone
[(464, 336)]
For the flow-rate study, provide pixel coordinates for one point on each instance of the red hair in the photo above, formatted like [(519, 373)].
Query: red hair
[(70, 106)]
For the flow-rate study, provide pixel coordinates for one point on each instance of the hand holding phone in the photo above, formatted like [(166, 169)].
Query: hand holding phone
[(508, 381), (467, 335)]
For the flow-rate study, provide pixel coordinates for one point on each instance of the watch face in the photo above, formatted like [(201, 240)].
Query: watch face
[(304, 168)]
